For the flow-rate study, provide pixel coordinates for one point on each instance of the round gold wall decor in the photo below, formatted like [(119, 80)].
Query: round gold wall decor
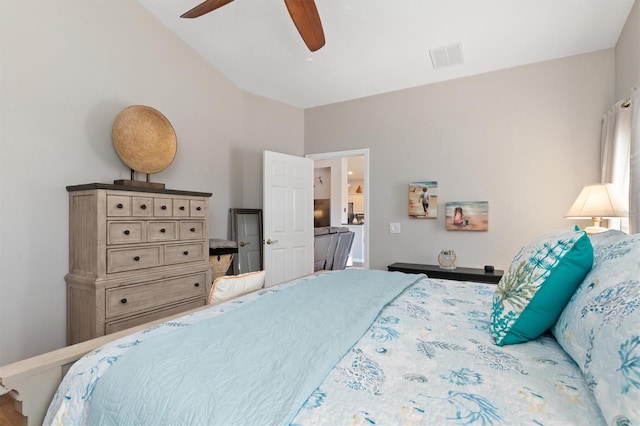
[(144, 139)]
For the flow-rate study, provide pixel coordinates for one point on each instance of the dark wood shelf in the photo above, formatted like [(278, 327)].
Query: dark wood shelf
[(90, 186), (458, 274)]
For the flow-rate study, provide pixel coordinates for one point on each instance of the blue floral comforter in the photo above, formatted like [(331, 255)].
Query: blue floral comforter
[(428, 358)]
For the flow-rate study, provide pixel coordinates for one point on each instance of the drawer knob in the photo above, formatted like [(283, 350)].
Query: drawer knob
[(119, 205), (193, 229), (163, 230), (198, 208), (137, 258), (143, 207), (123, 301), (127, 232), (163, 207), (197, 284), (182, 208), (186, 253)]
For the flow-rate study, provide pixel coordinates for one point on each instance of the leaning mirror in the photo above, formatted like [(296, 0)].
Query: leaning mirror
[(246, 230)]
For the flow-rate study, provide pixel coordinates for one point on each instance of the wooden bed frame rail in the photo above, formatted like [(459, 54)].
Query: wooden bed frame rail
[(33, 382)]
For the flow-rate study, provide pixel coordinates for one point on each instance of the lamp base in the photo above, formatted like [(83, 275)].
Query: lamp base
[(595, 229)]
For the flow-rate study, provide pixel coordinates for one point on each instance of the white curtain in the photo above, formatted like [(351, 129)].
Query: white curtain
[(615, 152), (634, 186)]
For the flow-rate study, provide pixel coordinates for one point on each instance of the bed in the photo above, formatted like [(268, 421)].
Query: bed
[(375, 347)]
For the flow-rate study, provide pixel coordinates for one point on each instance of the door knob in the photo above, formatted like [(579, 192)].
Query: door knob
[(270, 241), (242, 243)]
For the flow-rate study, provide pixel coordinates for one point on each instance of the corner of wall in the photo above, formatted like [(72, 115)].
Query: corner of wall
[(627, 54)]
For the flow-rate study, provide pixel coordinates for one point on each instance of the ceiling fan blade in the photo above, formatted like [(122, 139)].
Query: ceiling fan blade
[(205, 7), (305, 15)]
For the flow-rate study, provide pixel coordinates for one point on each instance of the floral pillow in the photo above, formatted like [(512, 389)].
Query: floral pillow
[(538, 284), (600, 330), (603, 241)]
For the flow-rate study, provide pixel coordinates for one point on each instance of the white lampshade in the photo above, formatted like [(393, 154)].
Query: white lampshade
[(596, 202)]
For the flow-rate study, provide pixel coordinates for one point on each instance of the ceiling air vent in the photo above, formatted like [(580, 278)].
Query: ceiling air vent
[(446, 56)]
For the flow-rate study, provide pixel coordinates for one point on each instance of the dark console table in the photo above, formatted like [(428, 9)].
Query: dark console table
[(458, 274)]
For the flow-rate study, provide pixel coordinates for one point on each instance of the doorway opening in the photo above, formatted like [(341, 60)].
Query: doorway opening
[(346, 195)]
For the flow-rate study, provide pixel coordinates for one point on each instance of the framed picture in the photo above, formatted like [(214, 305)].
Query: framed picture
[(467, 216), (423, 200)]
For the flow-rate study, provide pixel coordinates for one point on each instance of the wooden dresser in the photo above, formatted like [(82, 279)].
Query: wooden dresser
[(135, 255)]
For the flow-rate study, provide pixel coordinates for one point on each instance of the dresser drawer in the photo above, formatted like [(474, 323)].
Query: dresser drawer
[(183, 253), (113, 326), (119, 260), (163, 231), (124, 232), (180, 207), (142, 297), (162, 207), (190, 230), (118, 205), (142, 206), (197, 208)]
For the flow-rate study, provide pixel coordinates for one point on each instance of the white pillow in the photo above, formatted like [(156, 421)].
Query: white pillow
[(232, 286), (600, 329)]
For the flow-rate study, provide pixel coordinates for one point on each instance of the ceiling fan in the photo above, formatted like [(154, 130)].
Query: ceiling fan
[(303, 13)]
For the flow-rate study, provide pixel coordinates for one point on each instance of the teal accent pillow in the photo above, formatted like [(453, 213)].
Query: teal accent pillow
[(538, 284)]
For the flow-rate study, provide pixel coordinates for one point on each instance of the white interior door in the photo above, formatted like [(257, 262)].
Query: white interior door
[(287, 216)]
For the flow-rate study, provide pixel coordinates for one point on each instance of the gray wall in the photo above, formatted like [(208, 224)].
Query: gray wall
[(628, 54), (524, 139), (67, 69)]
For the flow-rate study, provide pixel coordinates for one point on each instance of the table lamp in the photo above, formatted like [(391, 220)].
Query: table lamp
[(597, 202)]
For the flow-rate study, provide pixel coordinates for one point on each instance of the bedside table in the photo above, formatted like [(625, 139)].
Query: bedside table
[(458, 274)]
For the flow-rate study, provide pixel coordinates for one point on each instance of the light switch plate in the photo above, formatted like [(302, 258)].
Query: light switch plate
[(394, 228)]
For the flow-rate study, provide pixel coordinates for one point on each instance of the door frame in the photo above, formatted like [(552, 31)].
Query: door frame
[(355, 153)]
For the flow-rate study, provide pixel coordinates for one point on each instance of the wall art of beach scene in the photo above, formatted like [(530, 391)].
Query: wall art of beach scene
[(467, 216), (423, 200)]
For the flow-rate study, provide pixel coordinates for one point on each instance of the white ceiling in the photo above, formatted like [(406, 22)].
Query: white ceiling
[(378, 46)]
